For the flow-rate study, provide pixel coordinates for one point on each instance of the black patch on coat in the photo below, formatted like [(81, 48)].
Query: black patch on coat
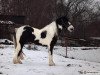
[(53, 42), (58, 29), (43, 34), (26, 37), (62, 21), (28, 28), (37, 43)]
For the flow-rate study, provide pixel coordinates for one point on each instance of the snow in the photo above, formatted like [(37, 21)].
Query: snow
[(95, 38), (92, 55), (6, 22), (3, 41), (36, 63), (81, 53)]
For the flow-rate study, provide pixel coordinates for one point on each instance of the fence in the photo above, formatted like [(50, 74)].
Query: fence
[(8, 23)]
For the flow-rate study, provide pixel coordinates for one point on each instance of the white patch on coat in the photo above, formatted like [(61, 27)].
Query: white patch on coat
[(19, 33), (70, 28), (69, 23), (60, 27)]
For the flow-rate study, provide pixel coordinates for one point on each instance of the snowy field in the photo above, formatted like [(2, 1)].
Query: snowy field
[(81, 53), (36, 62)]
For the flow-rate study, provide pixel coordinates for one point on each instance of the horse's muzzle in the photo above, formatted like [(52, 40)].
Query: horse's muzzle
[(70, 28)]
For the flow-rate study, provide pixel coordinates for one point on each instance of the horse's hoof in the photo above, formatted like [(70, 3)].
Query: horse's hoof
[(20, 62), (52, 64), (22, 58), (14, 61), (17, 62)]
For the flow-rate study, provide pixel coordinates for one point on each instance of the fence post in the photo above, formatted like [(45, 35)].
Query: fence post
[(66, 46)]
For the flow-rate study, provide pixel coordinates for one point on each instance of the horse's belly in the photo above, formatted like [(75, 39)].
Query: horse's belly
[(45, 41)]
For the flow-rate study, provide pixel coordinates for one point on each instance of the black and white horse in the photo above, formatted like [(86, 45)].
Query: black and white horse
[(46, 36)]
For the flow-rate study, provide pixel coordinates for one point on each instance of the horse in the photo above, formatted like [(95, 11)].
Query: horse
[(47, 36)]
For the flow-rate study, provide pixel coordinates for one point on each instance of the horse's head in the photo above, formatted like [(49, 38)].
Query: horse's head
[(63, 22)]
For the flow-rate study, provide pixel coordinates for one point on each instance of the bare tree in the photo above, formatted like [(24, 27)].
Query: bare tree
[(81, 13)]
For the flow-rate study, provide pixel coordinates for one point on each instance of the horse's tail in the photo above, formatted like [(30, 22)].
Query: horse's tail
[(14, 38)]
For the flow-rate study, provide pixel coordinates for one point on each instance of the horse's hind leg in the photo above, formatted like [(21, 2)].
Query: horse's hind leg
[(17, 53)]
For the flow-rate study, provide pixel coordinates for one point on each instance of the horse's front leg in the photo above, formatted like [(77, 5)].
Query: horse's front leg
[(51, 62), (51, 46)]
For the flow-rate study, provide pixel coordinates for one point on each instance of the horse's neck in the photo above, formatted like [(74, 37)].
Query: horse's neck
[(52, 27)]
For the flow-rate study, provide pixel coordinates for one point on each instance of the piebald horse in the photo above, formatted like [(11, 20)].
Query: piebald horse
[(47, 36)]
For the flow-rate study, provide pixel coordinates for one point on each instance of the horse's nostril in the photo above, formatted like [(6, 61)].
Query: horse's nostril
[(72, 29)]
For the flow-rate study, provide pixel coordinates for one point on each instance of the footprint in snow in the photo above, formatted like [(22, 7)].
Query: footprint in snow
[(1, 73), (73, 65)]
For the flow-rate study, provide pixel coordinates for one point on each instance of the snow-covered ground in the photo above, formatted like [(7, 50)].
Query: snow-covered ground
[(36, 63), (81, 53), (3, 40)]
